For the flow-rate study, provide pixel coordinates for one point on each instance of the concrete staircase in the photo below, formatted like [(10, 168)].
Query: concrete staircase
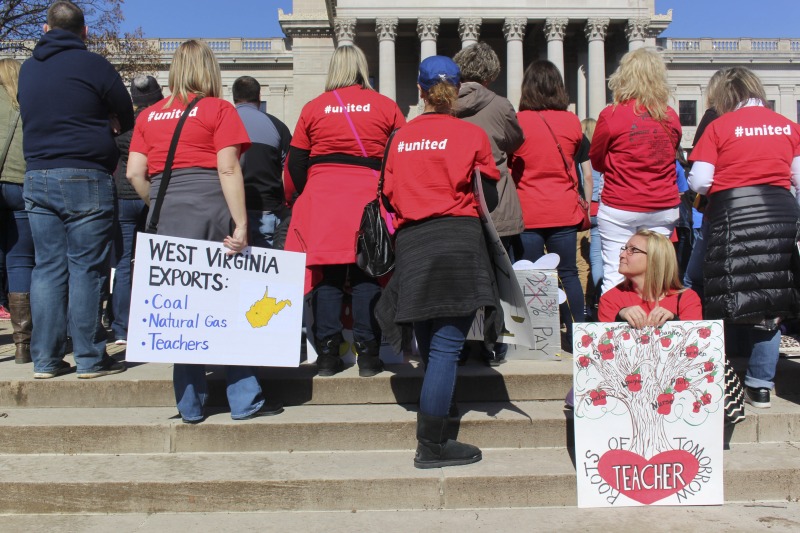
[(117, 445)]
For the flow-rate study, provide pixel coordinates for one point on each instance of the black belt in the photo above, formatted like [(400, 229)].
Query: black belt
[(345, 159)]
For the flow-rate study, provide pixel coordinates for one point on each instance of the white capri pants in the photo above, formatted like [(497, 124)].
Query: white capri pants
[(617, 226)]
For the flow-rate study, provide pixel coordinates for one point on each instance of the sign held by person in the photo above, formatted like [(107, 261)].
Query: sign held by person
[(193, 303), (649, 408)]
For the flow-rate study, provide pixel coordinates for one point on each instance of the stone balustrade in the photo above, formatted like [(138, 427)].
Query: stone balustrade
[(749, 45)]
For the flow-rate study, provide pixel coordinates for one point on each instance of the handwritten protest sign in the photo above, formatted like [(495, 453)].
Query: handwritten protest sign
[(540, 290), (649, 414), (517, 321), (193, 303)]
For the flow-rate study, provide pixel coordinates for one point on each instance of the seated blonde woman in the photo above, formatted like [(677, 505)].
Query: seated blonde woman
[(650, 294)]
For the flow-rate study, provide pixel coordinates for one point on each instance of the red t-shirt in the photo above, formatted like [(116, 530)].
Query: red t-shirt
[(750, 146), (538, 169), (430, 166), (212, 125), (620, 297), (636, 155), (323, 128)]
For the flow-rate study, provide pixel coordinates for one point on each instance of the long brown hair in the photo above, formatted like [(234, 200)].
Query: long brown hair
[(543, 88)]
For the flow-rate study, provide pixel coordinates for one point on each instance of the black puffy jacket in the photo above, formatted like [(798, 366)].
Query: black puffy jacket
[(751, 260)]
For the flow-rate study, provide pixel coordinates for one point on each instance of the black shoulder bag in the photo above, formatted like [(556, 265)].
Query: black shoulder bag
[(152, 225), (374, 247)]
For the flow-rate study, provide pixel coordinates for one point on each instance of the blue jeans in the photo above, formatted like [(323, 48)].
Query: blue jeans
[(71, 213), (128, 216), (693, 278), (328, 303), (763, 349), (440, 341), (261, 228), (16, 241), (596, 255), (561, 241), (191, 391)]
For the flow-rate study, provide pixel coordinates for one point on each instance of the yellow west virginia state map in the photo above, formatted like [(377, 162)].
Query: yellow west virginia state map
[(262, 311)]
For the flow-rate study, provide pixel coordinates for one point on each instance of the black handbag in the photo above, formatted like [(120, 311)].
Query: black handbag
[(374, 246)]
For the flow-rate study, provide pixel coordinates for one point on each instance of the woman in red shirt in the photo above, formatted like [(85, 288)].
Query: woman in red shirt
[(651, 293), (746, 162), (544, 171), (204, 199), (333, 163), (442, 272), (634, 146)]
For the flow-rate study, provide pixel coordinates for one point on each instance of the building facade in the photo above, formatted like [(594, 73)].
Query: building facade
[(585, 39)]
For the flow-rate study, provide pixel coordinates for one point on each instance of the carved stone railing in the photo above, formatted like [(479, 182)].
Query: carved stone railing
[(734, 45), (222, 46)]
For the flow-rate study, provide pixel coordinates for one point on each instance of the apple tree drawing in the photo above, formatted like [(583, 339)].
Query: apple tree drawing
[(655, 376)]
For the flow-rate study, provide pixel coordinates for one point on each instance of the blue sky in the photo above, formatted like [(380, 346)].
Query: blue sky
[(259, 18)]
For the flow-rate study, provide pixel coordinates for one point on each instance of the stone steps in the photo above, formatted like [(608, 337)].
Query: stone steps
[(336, 480), (542, 424), (150, 385)]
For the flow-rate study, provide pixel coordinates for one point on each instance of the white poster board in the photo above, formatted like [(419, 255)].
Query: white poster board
[(649, 413), (515, 313), (193, 303), (540, 290)]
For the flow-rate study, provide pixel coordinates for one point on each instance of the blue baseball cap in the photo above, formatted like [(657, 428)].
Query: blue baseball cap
[(437, 69)]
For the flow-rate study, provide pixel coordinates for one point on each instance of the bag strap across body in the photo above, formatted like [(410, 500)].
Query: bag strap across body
[(11, 128), (578, 186), (152, 225), (361, 145)]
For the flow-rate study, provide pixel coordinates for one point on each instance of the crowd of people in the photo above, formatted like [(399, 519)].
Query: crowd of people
[(79, 179)]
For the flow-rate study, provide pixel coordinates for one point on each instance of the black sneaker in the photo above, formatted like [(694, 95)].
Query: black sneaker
[(758, 398), (268, 409)]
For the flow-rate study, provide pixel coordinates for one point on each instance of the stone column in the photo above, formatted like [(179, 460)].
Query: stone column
[(428, 31), (581, 103), (514, 32), (345, 30), (636, 31), (470, 31), (387, 33), (554, 29), (596, 33)]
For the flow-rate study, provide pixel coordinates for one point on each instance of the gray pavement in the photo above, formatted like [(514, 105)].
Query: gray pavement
[(764, 516)]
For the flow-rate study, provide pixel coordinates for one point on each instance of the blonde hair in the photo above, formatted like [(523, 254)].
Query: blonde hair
[(194, 71), (642, 77), (442, 96), (348, 67), (736, 86), (713, 85), (587, 126), (9, 79), (661, 276)]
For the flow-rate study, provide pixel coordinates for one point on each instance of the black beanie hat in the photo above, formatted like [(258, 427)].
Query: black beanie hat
[(145, 91)]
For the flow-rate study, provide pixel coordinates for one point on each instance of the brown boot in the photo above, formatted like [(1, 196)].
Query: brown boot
[(19, 304)]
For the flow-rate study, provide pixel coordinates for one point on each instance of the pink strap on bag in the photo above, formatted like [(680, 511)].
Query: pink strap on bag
[(389, 217)]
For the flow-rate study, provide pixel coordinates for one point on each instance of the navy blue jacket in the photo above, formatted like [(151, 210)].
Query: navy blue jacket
[(66, 96)]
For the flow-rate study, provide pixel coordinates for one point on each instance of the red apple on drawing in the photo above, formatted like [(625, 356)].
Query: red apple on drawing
[(710, 378), (704, 333), (598, 397), (645, 339), (692, 351), (681, 384), (606, 351), (696, 407), (665, 342), (610, 333), (626, 336), (708, 366), (586, 340), (705, 398), (657, 332), (634, 381), (584, 361), (664, 402)]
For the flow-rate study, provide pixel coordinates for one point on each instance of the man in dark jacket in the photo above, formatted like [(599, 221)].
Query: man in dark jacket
[(262, 166), (72, 103)]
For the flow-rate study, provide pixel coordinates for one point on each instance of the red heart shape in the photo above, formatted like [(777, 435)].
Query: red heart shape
[(648, 481)]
